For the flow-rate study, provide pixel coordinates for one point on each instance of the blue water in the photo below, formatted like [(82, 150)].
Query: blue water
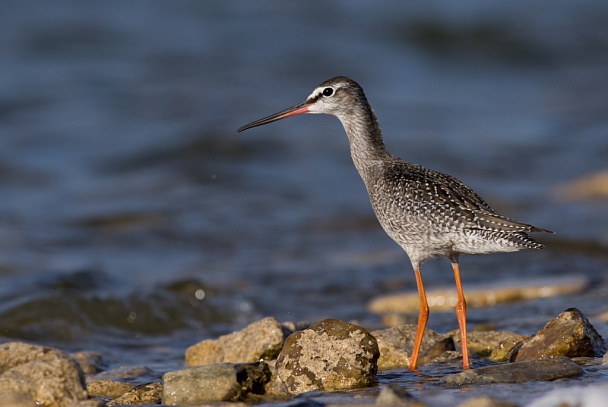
[(135, 221)]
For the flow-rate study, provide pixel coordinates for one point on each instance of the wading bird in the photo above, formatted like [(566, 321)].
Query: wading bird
[(428, 213)]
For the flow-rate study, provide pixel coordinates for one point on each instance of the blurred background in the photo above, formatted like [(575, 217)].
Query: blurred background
[(135, 221)]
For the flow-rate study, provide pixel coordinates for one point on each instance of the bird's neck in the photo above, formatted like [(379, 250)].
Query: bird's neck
[(365, 137)]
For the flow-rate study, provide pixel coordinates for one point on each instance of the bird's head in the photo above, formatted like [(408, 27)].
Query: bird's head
[(335, 96)]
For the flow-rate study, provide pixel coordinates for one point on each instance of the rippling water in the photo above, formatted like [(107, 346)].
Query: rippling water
[(135, 221)]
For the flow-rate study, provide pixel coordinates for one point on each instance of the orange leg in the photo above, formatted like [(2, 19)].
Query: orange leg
[(422, 318), (461, 314)]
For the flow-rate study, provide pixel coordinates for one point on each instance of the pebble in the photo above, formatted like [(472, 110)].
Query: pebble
[(396, 345), (495, 345), (149, 393), (89, 362), (43, 375), (125, 372), (107, 388), (261, 340), (330, 355), (275, 388), (393, 395), (518, 372), (441, 351), (217, 382), (569, 334), (113, 384)]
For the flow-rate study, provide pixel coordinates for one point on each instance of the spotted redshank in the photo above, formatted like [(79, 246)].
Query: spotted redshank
[(428, 213)]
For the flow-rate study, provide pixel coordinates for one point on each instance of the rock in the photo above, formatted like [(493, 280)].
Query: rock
[(393, 395), (330, 355), (573, 396), (396, 345), (447, 356), (87, 403), (275, 387), (486, 401), (261, 340), (569, 334), (107, 388), (519, 372), (217, 382), (149, 393), (496, 345), (590, 186), (124, 372), (291, 327), (46, 376), (438, 352), (89, 362), (16, 400)]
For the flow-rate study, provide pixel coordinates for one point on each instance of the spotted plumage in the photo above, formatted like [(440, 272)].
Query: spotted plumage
[(432, 214), (428, 213)]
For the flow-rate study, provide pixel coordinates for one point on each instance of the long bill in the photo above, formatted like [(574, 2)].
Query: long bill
[(300, 108)]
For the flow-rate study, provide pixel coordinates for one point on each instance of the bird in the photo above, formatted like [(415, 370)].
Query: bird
[(428, 213)]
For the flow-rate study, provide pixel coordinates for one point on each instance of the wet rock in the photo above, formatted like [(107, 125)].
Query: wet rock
[(441, 351), (260, 340), (217, 382), (330, 355), (486, 401), (107, 388), (125, 372), (393, 395), (275, 388), (46, 376), (569, 334), (519, 372), (149, 393), (495, 345), (446, 356), (396, 345), (89, 362)]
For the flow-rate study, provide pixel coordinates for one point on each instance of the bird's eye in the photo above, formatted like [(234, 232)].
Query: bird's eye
[(328, 92)]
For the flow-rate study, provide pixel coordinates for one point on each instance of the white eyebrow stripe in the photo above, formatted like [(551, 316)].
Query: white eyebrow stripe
[(316, 93)]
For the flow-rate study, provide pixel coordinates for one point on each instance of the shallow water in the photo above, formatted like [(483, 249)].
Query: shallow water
[(426, 386), (135, 221)]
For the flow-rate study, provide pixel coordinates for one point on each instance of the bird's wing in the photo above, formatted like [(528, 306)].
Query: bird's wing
[(446, 191)]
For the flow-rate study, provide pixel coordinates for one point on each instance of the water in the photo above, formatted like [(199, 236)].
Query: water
[(134, 220)]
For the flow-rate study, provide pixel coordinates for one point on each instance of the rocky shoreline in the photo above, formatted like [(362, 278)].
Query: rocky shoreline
[(273, 362)]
